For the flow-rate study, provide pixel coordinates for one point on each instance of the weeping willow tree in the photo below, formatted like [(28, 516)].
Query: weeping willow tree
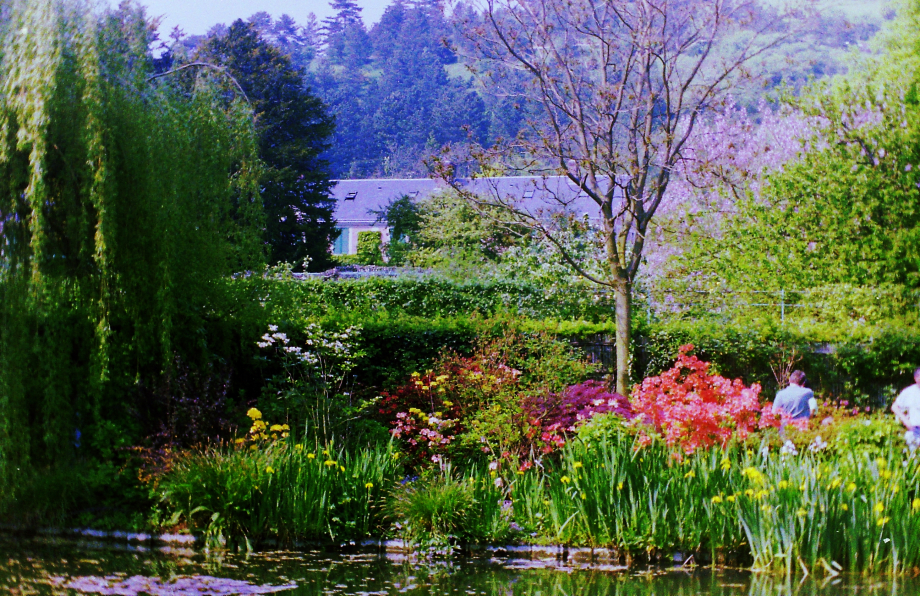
[(126, 199)]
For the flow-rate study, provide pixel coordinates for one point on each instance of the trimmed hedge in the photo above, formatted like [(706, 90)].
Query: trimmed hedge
[(868, 368), (434, 297)]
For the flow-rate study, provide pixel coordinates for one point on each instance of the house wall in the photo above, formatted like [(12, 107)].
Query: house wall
[(353, 231)]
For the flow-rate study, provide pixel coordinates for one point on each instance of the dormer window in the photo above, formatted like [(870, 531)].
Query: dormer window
[(351, 196), (528, 194)]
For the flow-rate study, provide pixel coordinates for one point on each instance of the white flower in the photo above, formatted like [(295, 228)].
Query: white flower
[(493, 465), (499, 482), (273, 328), (789, 448)]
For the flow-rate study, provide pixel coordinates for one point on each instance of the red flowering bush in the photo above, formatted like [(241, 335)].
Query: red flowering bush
[(692, 408), (430, 410), (552, 415)]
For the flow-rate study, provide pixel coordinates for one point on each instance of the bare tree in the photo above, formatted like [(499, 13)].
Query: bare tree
[(620, 86)]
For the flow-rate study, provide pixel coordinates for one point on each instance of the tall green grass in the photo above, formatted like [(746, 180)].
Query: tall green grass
[(827, 512), (282, 491), (859, 512)]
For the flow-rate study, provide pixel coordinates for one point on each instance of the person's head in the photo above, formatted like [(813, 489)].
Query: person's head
[(797, 378)]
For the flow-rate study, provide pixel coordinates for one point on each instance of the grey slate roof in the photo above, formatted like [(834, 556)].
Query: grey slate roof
[(355, 198)]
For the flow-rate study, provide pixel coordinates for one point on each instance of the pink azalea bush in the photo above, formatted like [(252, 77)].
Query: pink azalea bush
[(552, 416), (692, 408)]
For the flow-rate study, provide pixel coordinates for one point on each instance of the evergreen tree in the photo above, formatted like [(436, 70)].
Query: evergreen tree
[(293, 127)]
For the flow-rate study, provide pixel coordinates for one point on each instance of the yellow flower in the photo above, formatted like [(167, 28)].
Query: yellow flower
[(341, 468), (299, 446), (448, 403), (583, 497), (801, 513), (782, 485), (619, 486), (690, 474), (879, 507), (275, 428), (253, 447), (749, 493), (730, 498), (753, 474), (269, 470), (330, 463), (576, 465), (766, 508), (565, 480), (851, 487), (415, 374), (882, 521), (845, 507), (717, 499), (311, 456), (885, 474), (369, 485), (915, 505), (726, 464), (254, 413), (894, 490), (836, 482)]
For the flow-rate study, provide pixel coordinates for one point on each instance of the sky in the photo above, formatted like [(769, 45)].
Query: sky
[(195, 17)]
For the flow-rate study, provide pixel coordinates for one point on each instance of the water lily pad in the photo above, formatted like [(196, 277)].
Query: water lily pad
[(182, 585)]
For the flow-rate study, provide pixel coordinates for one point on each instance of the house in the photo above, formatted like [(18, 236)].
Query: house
[(356, 201)]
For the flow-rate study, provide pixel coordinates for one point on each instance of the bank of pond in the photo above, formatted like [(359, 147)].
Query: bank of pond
[(743, 505)]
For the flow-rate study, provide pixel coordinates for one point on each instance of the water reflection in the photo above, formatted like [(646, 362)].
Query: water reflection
[(64, 567)]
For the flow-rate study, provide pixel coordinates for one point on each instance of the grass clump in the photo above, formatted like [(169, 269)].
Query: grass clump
[(282, 490)]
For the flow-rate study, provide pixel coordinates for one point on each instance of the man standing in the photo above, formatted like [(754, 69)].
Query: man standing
[(906, 409), (795, 401)]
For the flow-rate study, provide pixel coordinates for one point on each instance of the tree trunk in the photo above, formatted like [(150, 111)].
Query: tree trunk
[(623, 310)]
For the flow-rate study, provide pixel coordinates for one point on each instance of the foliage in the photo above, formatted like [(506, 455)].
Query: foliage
[(552, 416), (293, 128), (370, 248), (692, 408), (402, 216), (435, 511), (430, 297), (485, 403), (866, 366), (128, 201), (453, 235), (282, 490), (313, 391)]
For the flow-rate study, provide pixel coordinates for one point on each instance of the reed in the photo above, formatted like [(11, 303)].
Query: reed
[(283, 491)]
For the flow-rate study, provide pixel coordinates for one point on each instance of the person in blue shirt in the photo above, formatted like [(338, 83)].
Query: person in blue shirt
[(796, 400)]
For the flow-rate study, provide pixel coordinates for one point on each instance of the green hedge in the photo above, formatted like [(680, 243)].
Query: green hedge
[(867, 368), (435, 297)]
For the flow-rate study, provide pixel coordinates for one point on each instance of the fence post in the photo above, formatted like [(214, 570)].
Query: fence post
[(782, 306)]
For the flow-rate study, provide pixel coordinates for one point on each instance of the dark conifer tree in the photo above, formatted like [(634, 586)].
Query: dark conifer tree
[(294, 129)]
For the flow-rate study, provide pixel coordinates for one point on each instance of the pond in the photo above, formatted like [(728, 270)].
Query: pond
[(39, 566)]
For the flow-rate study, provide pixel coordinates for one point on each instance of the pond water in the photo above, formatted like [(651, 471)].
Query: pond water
[(56, 566)]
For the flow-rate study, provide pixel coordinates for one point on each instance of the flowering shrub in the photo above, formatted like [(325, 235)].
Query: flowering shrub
[(692, 408), (426, 412), (550, 416), (312, 391)]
